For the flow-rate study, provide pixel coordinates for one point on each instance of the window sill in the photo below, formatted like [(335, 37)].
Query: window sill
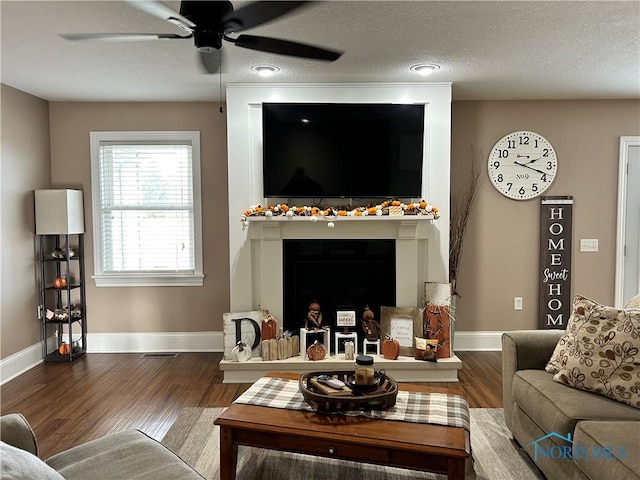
[(149, 280)]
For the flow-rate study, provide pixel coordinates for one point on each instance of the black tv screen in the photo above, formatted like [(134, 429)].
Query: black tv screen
[(321, 150)]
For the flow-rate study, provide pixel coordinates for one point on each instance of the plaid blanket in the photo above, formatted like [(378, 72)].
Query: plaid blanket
[(438, 408)]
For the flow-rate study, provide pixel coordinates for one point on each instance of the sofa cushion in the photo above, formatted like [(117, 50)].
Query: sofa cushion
[(130, 455), (18, 464), (16, 431), (634, 302), (603, 449), (557, 408), (599, 351), (569, 344)]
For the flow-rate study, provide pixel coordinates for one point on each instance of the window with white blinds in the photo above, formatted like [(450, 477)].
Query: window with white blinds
[(146, 199)]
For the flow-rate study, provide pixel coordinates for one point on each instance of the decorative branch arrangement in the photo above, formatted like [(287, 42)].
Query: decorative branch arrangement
[(462, 203)]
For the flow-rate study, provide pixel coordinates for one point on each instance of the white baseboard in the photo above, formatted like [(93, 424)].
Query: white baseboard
[(477, 341), (155, 342), (28, 358), (20, 362)]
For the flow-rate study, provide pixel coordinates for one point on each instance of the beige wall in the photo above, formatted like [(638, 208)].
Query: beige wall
[(25, 167), (500, 257), (501, 250), (141, 309)]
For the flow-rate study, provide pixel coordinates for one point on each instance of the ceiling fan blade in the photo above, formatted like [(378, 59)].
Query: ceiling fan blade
[(285, 47), (210, 61), (120, 37), (255, 14), (160, 10)]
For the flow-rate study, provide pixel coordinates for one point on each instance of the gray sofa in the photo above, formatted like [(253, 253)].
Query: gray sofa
[(601, 436), (129, 455)]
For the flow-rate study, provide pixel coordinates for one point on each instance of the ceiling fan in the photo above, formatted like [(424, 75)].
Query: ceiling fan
[(208, 23)]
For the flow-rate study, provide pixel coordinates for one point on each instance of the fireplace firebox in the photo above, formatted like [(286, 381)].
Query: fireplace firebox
[(339, 275)]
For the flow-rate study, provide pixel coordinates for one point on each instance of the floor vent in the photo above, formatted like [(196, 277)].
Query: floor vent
[(159, 355)]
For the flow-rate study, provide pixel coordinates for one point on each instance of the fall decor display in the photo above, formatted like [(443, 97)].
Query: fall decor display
[(426, 349), (241, 352), (269, 326), (388, 207), (314, 317), (390, 348), (64, 349), (370, 326), (61, 253), (60, 282), (316, 351), (437, 324)]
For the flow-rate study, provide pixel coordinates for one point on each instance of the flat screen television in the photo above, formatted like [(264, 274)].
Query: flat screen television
[(342, 150)]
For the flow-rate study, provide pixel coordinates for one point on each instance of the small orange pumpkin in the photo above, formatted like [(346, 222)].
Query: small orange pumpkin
[(64, 349), (317, 351), (396, 203), (342, 213), (390, 348), (423, 204), (60, 282)]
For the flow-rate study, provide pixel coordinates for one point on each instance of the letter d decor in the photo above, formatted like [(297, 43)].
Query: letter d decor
[(556, 215)]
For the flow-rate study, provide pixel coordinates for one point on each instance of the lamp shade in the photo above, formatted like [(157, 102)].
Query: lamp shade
[(59, 211)]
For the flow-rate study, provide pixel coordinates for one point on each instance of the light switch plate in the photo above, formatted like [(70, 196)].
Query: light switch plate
[(588, 244)]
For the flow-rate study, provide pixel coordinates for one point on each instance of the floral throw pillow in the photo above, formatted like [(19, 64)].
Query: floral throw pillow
[(599, 351), (567, 345)]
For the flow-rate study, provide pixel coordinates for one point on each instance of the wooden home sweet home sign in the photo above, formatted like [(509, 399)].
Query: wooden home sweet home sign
[(556, 217)]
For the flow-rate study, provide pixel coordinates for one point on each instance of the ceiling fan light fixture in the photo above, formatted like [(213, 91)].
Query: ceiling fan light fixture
[(424, 69), (265, 70)]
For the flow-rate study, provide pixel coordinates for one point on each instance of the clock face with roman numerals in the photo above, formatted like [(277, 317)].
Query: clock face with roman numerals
[(522, 165)]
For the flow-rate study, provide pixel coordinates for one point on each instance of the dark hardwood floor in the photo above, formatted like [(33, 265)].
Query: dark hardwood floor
[(69, 404)]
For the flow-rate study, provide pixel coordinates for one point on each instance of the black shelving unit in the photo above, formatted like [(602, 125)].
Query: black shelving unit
[(63, 308)]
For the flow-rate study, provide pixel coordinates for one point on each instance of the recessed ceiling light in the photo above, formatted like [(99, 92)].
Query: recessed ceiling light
[(425, 69), (265, 70)]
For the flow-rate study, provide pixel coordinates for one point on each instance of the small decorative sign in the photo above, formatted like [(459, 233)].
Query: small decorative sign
[(403, 325), (556, 217), (241, 327), (346, 318), (402, 330)]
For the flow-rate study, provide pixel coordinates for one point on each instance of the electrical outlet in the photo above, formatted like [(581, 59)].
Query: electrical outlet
[(517, 303)]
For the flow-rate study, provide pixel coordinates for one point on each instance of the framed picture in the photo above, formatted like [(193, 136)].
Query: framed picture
[(402, 324)]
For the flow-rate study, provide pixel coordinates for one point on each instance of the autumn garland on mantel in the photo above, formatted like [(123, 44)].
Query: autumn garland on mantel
[(388, 207)]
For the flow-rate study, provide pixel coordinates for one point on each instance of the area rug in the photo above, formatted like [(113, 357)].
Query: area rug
[(195, 438)]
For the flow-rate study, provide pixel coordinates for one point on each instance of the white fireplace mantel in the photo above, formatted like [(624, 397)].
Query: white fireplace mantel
[(422, 243), (411, 236)]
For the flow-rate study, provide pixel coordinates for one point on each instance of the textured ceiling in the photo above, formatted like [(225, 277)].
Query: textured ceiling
[(488, 50)]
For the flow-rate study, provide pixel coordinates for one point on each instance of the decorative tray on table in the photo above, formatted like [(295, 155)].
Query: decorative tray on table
[(324, 398)]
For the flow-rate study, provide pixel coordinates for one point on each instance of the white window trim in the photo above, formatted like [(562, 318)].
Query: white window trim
[(146, 279)]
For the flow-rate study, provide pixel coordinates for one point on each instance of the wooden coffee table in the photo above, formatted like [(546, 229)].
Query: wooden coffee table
[(419, 446)]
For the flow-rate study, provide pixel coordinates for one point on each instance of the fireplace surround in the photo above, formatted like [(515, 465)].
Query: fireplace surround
[(256, 252), (421, 244)]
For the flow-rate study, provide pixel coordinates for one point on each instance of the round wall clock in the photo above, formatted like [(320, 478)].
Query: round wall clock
[(522, 165)]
